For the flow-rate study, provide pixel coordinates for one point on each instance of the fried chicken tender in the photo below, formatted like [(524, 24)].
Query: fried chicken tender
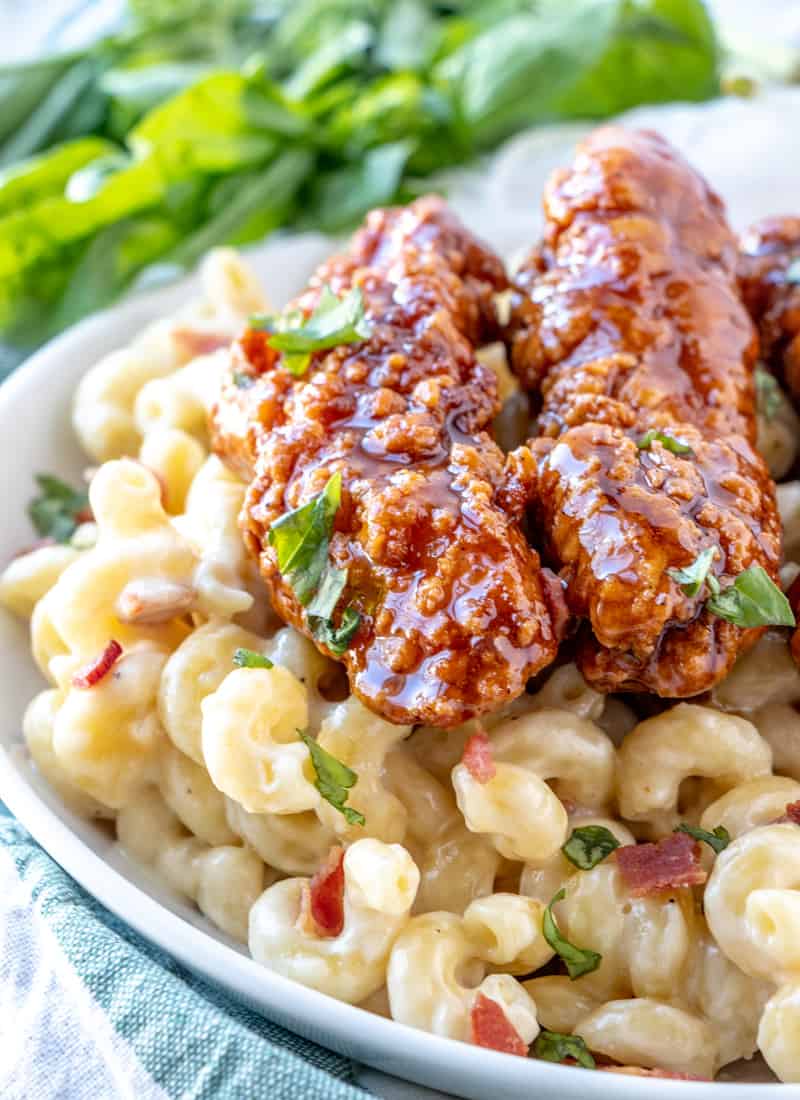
[(630, 321), (769, 277), (456, 613)]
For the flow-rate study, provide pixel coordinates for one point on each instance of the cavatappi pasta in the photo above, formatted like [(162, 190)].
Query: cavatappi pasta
[(457, 888)]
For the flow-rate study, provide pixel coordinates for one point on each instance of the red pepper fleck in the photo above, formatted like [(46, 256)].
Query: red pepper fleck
[(791, 815), (92, 674), (491, 1028), (477, 758)]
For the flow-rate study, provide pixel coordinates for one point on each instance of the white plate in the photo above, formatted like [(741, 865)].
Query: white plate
[(744, 148)]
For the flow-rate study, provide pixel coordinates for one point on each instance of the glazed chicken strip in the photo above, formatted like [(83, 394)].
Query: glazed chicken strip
[(631, 325), (769, 276), (455, 612)]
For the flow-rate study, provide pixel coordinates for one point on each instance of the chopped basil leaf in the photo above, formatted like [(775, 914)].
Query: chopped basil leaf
[(793, 272), (589, 845), (243, 381), (330, 588), (752, 600), (720, 838), (56, 512), (551, 1046), (693, 576), (579, 960), (769, 397), (248, 658), (336, 638), (666, 440), (301, 538), (334, 779), (333, 322)]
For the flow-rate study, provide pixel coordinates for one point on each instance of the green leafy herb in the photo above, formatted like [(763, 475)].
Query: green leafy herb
[(752, 600), (229, 119), (301, 539), (551, 1046), (719, 839), (334, 321), (334, 779), (243, 381), (693, 576), (589, 845), (57, 511), (248, 658), (578, 960), (793, 272), (338, 638), (769, 398), (666, 440)]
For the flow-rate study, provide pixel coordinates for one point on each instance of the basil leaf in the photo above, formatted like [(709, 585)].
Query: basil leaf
[(333, 779), (579, 960), (56, 512), (752, 600), (301, 538), (719, 839), (327, 595), (248, 658), (693, 576), (589, 845), (793, 272), (552, 1046), (666, 440), (769, 397), (337, 639), (334, 321)]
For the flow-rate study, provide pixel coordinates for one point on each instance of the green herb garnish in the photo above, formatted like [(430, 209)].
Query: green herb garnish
[(666, 440), (248, 658), (334, 321), (578, 960), (769, 398), (301, 539), (719, 839), (57, 511), (693, 576), (551, 1046), (589, 845), (752, 600), (243, 381), (334, 779)]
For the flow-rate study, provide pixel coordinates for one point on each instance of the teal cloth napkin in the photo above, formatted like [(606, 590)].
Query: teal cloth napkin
[(115, 1017)]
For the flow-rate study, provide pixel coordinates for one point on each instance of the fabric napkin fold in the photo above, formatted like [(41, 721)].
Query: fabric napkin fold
[(90, 1011)]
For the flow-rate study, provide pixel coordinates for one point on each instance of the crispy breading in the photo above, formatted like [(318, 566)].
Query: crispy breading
[(769, 277), (456, 613), (629, 320)]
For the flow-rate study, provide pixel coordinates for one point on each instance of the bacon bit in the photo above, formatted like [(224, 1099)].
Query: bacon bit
[(191, 342), (94, 673), (791, 816), (85, 515), (673, 862), (491, 1027), (322, 903), (640, 1071), (151, 601), (553, 591), (477, 758)]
